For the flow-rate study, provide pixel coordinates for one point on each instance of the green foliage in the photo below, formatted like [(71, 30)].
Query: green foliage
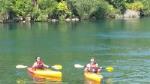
[(93, 8), (44, 9), (22, 7), (62, 6), (111, 11), (5, 9), (4, 5), (135, 5), (119, 4), (146, 8), (62, 10), (86, 7), (47, 6), (42, 17), (35, 13)]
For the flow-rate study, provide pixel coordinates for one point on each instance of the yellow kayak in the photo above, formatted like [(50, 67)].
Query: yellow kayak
[(97, 78), (46, 74)]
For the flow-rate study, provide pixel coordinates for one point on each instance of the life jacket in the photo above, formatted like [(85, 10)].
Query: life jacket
[(40, 64), (93, 66)]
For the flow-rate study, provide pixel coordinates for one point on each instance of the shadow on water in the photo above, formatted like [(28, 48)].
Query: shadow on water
[(39, 81)]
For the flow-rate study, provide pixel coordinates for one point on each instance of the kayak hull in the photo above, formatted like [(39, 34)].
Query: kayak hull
[(93, 77), (45, 74)]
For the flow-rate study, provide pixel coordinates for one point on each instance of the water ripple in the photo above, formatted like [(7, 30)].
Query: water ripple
[(125, 35)]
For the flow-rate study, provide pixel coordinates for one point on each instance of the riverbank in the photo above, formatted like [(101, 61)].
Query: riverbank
[(74, 10)]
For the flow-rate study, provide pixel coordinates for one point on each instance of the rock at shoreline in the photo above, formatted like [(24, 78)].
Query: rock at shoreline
[(67, 19), (131, 14), (4, 17), (28, 19), (75, 19), (72, 19), (54, 20)]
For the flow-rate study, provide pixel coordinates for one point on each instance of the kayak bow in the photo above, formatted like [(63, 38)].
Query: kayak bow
[(45, 74), (93, 77)]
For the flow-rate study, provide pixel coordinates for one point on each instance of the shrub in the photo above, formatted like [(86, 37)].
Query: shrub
[(86, 7), (22, 7), (134, 6), (62, 10), (146, 8), (47, 6)]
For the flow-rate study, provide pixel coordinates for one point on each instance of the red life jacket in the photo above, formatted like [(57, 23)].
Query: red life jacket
[(40, 64), (93, 66)]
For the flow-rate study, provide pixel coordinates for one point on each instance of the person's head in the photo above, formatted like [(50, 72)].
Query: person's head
[(92, 60), (38, 59)]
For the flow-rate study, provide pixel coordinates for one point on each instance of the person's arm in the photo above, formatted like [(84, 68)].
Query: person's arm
[(86, 68), (97, 65), (46, 65), (34, 65)]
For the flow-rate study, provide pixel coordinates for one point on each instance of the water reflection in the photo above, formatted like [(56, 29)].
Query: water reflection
[(104, 81), (109, 81), (37, 81), (91, 82)]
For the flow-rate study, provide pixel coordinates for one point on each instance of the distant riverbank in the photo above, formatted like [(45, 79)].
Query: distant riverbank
[(71, 10)]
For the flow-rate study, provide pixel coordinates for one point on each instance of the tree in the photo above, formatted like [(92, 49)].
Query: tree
[(86, 7), (45, 9), (5, 9), (137, 5), (22, 7)]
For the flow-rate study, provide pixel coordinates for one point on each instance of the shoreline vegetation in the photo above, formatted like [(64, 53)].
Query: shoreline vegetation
[(71, 10)]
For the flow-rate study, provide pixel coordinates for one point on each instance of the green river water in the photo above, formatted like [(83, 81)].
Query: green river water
[(123, 44)]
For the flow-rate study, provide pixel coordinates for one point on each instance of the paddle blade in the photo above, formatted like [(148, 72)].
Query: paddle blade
[(21, 66), (109, 69), (78, 66), (59, 67)]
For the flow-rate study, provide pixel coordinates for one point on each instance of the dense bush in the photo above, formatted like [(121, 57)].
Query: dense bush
[(40, 10), (105, 10), (135, 5), (4, 9), (96, 9), (44, 9), (47, 6), (146, 8), (86, 7), (22, 7), (63, 10)]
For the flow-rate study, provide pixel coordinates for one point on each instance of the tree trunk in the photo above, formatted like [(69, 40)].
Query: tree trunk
[(34, 2)]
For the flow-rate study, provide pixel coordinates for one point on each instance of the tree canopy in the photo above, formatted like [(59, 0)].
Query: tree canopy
[(62, 9)]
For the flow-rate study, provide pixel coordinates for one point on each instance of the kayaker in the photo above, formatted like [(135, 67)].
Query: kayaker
[(92, 66), (39, 64)]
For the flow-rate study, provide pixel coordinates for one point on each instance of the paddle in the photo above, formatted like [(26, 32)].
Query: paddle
[(57, 66), (109, 68)]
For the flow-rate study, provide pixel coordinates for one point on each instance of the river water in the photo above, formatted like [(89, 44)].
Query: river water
[(122, 44)]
